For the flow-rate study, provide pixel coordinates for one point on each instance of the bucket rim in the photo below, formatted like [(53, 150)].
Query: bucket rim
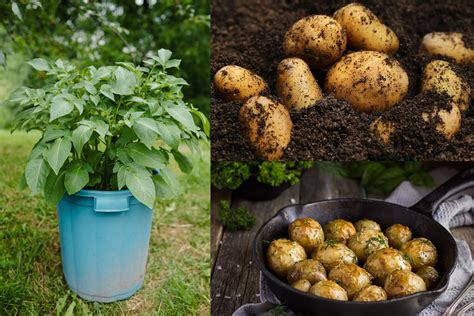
[(96, 193)]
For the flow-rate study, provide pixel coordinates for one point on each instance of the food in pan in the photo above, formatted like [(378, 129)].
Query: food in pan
[(237, 83), (369, 268)]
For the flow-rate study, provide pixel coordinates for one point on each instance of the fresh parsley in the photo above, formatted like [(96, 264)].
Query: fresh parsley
[(235, 219)]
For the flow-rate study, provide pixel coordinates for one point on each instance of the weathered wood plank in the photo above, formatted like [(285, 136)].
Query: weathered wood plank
[(216, 225), (235, 280)]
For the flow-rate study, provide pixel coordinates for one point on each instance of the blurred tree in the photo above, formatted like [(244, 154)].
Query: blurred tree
[(103, 32)]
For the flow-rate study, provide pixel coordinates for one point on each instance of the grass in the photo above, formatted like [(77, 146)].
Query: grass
[(31, 280)]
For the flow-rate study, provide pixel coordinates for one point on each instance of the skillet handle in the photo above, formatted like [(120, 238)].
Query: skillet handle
[(461, 181)]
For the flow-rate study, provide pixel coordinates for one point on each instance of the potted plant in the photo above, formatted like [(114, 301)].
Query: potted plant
[(107, 138), (258, 180)]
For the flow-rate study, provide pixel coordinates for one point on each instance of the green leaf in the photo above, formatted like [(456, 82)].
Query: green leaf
[(146, 130), (125, 82), (182, 115), (106, 90), (90, 87), (80, 136), (58, 153), (97, 125), (371, 173), (51, 133), (16, 10), (166, 184), (60, 107), (141, 185), (36, 172), (183, 162), (143, 156), (54, 189), (173, 63), (206, 126), (169, 132), (76, 177), (22, 184), (163, 56), (39, 64), (121, 176)]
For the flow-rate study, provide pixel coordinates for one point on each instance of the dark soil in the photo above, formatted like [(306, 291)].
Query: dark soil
[(249, 33)]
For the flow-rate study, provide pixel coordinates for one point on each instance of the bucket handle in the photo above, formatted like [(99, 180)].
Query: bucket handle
[(110, 204)]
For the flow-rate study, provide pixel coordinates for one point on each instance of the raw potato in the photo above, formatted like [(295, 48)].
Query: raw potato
[(282, 254), (429, 275), (439, 76), (369, 81), (448, 122), (309, 269), (366, 242), (372, 293), (237, 83), (329, 289), (365, 31), (448, 44), (296, 85), (317, 39), (398, 234), (421, 252), (301, 285), (339, 230), (307, 232), (351, 277), (366, 224), (332, 253), (267, 125), (401, 283), (383, 129), (384, 261)]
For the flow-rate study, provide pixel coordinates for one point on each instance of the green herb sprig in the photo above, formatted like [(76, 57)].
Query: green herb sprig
[(235, 219)]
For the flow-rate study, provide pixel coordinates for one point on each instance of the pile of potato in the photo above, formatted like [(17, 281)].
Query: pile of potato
[(369, 78), (357, 262)]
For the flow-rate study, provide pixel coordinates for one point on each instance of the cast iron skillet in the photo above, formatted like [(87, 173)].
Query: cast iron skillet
[(417, 217)]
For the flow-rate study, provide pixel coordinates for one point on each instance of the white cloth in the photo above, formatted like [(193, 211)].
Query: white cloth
[(453, 213)]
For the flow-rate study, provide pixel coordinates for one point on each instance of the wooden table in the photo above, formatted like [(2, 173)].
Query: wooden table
[(234, 275)]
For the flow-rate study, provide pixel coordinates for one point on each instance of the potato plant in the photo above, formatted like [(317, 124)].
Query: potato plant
[(108, 128)]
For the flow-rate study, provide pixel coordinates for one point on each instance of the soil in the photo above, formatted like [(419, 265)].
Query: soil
[(249, 33)]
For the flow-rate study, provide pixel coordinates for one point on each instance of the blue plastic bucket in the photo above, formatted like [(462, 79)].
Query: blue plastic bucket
[(104, 243)]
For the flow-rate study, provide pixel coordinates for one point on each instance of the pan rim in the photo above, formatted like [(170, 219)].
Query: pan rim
[(268, 274)]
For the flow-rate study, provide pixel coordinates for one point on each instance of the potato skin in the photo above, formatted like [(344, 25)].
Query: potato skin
[(329, 289), (366, 224), (401, 283), (383, 129), (351, 277), (365, 31), (439, 76), (429, 274), (296, 85), (421, 252), (398, 234), (301, 285), (369, 81), (307, 232), (384, 261), (448, 122), (237, 83), (309, 269), (366, 242), (332, 253), (339, 230), (267, 125), (372, 293), (318, 39), (449, 44), (282, 254)]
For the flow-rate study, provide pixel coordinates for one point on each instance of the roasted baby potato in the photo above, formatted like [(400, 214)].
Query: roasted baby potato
[(329, 289), (237, 83), (421, 252), (319, 40), (365, 31), (397, 235), (332, 253), (301, 285), (296, 85), (439, 76), (267, 125), (429, 275), (351, 277), (366, 224), (307, 232), (401, 283), (339, 230), (369, 81), (309, 269), (372, 293), (282, 254), (449, 44), (366, 242), (384, 261)]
